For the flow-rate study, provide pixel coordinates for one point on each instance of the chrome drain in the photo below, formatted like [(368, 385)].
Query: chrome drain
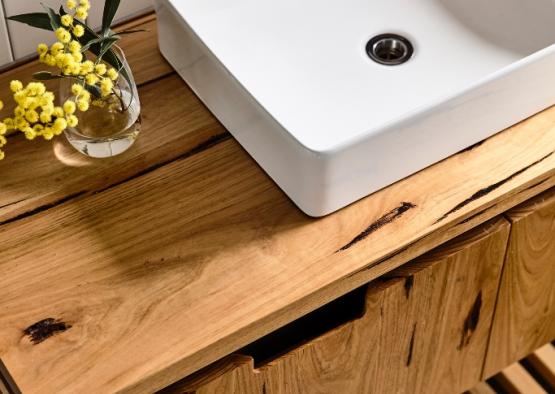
[(389, 49)]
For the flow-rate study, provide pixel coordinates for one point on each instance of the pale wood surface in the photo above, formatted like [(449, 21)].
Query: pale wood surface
[(425, 330), (166, 266), (516, 380), (525, 315), (482, 388), (543, 361)]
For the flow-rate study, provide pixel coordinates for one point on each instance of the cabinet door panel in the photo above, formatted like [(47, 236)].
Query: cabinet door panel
[(425, 330), (25, 39), (525, 314)]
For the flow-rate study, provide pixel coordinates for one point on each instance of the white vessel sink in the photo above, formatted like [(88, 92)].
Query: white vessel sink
[(294, 83)]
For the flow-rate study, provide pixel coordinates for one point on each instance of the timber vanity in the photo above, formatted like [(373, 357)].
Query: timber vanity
[(169, 267)]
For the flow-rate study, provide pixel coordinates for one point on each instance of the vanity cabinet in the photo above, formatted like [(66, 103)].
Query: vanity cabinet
[(24, 39), (425, 328), (525, 313)]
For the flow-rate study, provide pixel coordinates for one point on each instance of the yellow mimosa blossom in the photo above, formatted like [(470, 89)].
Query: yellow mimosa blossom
[(32, 116), (74, 46), (100, 69), (59, 125), (45, 117), (91, 79), (112, 74), (81, 13), (106, 86), (76, 89), (78, 31), (69, 107), (72, 121), (83, 105), (87, 67), (67, 20), (30, 134), (58, 112), (71, 4), (56, 48), (16, 86), (63, 35), (42, 49)]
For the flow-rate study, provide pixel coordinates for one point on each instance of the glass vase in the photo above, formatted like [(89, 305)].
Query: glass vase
[(107, 130)]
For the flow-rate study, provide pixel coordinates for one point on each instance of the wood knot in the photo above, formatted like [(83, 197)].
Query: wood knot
[(471, 322), (44, 329)]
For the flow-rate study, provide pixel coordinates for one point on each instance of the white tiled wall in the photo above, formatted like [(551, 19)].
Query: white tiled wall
[(24, 39), (5, 50)]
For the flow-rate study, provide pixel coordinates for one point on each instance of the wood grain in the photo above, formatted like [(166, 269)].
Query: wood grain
[(543, 361), (425, 330), (525, 314), (482, 388), (198, 255), (516, 380), (61, 173)]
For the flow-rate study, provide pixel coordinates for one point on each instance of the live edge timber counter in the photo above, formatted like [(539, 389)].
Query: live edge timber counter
[(163, 268)]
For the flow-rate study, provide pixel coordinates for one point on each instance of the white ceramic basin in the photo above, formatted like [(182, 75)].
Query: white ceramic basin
[(294, 84)]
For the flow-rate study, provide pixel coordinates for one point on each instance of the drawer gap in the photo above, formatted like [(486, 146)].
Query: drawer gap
[(328, 317)]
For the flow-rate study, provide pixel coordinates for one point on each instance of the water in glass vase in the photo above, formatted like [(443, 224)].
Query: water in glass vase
[(110, 128), (107, 131)]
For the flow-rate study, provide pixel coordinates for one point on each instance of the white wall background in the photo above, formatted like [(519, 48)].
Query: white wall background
[(18, 40)]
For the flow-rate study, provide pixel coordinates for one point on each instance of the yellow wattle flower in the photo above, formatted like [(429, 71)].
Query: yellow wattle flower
[(71, 4), (91, 79), (112, 74), (63, 35), (78, 31), (106, 86), (69, 107), (72, 121), (16, 86), (76, 89), (83, 105), (81, 13), (42, 49), (100, 69), (67, 20)]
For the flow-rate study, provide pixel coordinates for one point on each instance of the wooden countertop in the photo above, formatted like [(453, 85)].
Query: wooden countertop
[(156, 263)]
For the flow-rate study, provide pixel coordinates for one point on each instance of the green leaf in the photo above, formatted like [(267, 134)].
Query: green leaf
[(55, 21), (40, 20), (106, 45), (45, 76), (86, 47), (110, 9), (94, 90)]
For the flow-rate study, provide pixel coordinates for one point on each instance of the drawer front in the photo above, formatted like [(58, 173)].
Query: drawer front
[(525, 314), (425, 329)]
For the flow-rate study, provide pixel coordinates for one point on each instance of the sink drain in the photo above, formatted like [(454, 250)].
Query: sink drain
[(389, 49)]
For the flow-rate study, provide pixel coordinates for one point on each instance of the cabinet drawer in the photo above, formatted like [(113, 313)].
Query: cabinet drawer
[(525, 314), (424, 329)]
